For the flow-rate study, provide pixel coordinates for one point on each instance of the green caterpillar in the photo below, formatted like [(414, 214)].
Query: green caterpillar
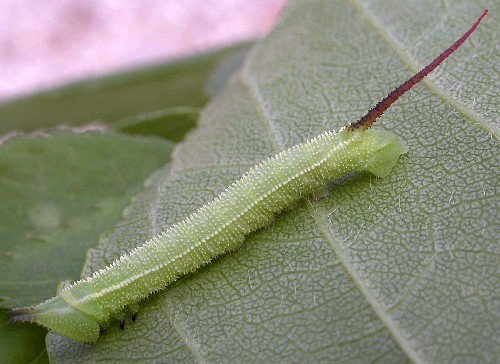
[(221, 225)]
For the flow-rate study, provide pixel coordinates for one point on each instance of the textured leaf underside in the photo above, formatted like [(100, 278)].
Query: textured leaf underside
[(403, 268)]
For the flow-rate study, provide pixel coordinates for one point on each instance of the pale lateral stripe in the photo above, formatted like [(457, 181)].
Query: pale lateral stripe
[(142, 274)]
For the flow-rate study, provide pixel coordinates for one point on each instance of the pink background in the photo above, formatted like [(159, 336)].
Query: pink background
[(51, 42)]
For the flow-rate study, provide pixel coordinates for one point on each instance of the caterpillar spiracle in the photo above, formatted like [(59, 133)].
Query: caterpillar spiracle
[(221, 225)]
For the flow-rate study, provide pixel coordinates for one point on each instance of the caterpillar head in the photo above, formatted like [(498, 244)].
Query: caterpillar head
[(380, 150)]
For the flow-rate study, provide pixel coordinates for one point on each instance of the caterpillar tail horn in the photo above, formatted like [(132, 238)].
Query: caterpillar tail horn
[(366, 121)]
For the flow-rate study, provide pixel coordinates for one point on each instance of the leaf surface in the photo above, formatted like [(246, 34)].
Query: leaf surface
[(58, 193), (393, 270)]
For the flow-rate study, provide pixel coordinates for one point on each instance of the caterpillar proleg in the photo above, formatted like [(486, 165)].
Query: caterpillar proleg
[(221, 225)]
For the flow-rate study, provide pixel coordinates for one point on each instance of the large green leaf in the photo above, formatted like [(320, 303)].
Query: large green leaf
[(58, 194), (392, 270), (186, 82)]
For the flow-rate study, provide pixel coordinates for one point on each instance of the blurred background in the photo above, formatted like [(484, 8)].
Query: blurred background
[(48, 43)]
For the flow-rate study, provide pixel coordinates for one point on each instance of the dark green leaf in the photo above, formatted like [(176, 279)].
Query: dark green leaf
[(58, 194), (171, 124), (21, 343), (188, 82)]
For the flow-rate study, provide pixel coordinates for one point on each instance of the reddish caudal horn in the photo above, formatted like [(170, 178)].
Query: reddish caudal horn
[(366, 121)]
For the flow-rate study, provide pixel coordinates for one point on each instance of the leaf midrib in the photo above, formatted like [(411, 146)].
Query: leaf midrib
[(266, 122), (246, 80)]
